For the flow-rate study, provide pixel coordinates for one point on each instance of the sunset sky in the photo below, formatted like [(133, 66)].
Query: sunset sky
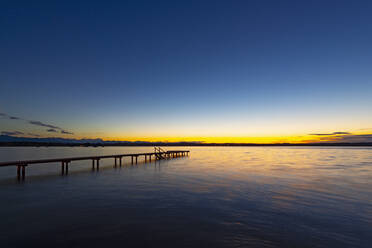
[(212, 71)]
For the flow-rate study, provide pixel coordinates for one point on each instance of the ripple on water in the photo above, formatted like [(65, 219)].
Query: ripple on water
[(218, 197)]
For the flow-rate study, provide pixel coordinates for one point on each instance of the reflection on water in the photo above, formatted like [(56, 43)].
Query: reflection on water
[(218, 197)]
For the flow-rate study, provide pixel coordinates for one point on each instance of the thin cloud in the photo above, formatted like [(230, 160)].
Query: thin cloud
[(66, 132), (354, 138), (343, 138), (9, 116), (11, 133), (327, 134), (52, 128), (320, 134), (41, 124)]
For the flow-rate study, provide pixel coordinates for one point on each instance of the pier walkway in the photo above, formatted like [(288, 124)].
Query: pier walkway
[(156, 155)]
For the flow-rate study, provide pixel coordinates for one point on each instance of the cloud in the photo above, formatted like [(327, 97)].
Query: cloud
[(327, 134), (9, 116), (11, 133), (320, 134), (52, 128), (65, 132), (41, 124), (342, 137), (355, 138)]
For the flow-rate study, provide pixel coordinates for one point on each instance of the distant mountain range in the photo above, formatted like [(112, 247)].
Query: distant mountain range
[(7, 140)]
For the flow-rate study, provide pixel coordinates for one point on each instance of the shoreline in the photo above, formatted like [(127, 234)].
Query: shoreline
[(46, 144)]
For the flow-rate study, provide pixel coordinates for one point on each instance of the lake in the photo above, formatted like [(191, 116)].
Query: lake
[(216, 197)]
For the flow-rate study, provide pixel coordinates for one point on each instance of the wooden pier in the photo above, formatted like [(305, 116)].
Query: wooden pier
[(65, 162)]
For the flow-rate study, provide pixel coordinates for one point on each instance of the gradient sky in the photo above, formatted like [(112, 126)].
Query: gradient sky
[(222, 71)]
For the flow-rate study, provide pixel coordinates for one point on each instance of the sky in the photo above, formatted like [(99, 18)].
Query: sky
[(212, 71)]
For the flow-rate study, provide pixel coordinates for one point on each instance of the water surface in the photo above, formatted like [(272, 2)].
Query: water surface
[(217, 197)]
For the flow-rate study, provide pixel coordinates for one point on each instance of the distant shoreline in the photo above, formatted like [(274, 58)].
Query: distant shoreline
[(46, 144)]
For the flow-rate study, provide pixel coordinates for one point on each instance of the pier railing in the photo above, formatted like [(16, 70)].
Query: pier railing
[(158, 154)]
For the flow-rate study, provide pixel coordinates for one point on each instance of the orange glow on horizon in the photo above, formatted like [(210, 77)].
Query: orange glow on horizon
[(257, 140), (298, 138), (269, 139)]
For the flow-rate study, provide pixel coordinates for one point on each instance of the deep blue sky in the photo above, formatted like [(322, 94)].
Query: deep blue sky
[(186, 68)]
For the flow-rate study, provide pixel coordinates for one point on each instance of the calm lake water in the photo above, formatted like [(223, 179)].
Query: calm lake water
[(216, 197)]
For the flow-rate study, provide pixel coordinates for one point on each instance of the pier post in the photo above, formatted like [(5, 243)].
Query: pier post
[(145, 158), (150, 157), (18, 172), (67, 166), (132, 159), (23, 171), (63, 168), (92, 164), (136, 159), (97, 164), (115, 161), (120, 161)]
